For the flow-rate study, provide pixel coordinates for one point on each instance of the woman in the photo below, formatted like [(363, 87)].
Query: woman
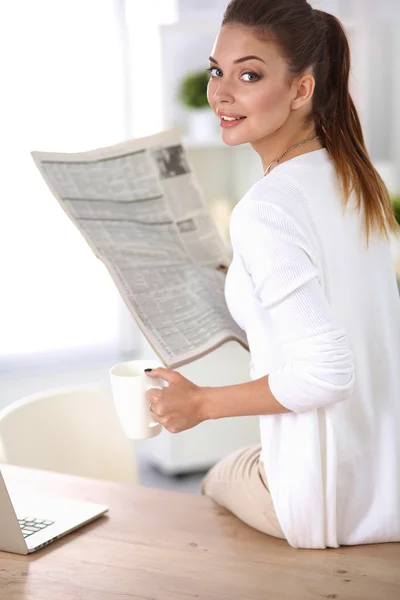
[(312, 284)]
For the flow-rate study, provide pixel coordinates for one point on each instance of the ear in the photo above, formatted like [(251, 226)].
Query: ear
[(304, 90)]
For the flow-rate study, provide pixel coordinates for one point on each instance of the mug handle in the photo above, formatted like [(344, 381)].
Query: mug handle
[(156, 387)]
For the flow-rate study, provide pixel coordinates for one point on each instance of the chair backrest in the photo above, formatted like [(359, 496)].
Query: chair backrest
[(71, 430)]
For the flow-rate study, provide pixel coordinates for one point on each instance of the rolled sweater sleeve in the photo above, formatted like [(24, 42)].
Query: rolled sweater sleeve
[(318, 363)]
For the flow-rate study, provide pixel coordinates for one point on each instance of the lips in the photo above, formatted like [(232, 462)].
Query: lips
[(227, 124)]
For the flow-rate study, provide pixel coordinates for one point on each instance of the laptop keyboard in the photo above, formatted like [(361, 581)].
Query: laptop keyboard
[(31, 525)]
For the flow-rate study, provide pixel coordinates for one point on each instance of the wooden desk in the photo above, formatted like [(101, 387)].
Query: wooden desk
[(159, 545)]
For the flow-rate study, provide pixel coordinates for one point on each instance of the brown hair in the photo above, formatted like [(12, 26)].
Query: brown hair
[(314, 38)]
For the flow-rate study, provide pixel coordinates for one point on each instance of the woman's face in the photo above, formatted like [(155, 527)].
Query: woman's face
[(257, 90)]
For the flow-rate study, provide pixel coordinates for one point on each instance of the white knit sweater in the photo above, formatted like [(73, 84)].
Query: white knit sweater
[(322, 317)]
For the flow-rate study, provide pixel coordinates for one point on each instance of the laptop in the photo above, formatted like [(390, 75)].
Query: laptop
[(29, 524)]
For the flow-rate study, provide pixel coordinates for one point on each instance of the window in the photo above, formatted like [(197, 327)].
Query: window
[(63, 89)]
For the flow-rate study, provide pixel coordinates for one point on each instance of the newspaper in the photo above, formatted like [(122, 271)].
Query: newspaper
[(141, 210)]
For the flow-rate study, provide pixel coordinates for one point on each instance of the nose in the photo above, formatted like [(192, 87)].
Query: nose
[(223, 92)]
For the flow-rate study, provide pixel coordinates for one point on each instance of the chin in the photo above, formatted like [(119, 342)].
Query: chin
[(233, 140)]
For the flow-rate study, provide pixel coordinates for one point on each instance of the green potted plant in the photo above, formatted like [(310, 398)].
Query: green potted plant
[(396, 207), (192, 95), (395, 238)]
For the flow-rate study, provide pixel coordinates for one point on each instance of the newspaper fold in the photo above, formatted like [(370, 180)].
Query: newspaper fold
[(141, 210)]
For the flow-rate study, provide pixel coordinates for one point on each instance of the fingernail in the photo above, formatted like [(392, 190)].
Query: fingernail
[(148, 369)]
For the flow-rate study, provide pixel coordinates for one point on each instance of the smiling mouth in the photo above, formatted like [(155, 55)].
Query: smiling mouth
[(230, 122)]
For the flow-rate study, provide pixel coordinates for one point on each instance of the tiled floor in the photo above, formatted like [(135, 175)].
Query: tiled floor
[(16, 382)]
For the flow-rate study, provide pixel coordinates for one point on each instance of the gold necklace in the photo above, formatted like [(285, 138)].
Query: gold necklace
[(276, 160)]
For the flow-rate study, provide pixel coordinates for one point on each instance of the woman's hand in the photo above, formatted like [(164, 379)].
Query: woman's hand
[(180, 405)]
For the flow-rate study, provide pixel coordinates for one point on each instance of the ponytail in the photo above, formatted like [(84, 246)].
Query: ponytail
[(339, 128), (314, 38)]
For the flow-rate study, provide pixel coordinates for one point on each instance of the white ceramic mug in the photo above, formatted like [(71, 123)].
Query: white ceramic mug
[(129, 386)]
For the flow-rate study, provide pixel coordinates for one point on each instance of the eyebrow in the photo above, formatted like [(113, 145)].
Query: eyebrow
[(240, 60)]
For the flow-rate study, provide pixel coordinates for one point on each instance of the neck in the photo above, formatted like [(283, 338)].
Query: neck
[(271, 148)]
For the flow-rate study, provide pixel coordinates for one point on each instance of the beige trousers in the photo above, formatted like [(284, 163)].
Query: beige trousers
[(239, 483)]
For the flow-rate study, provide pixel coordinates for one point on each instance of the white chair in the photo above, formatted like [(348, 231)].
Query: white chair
[(71, 430)]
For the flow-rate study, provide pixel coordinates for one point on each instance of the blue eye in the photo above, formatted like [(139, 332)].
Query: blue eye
[(211, 71)]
